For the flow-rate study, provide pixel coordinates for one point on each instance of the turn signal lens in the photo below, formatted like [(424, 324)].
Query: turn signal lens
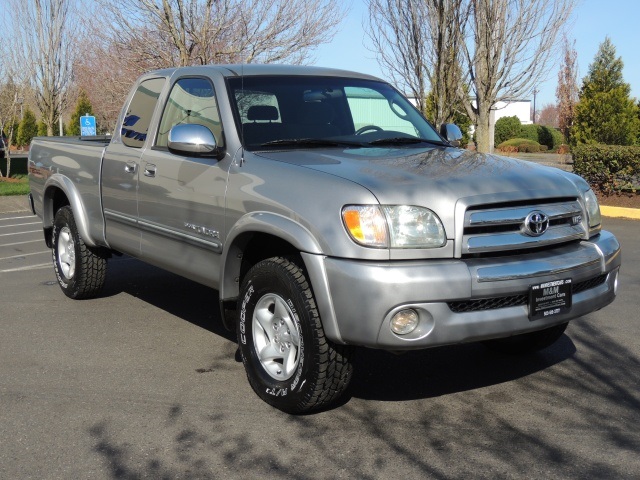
[(366, 224)]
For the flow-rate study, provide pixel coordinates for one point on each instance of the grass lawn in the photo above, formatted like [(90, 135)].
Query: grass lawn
[(18, 185)]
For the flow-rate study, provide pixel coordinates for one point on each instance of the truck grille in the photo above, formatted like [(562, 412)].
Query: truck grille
[(496, 229), (491, 303)]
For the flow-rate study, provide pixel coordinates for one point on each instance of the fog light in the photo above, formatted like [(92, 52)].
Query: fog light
[(404, 322), (615, 284)]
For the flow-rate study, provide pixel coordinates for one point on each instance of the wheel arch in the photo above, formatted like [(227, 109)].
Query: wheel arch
[(60, 191), (257, 236)]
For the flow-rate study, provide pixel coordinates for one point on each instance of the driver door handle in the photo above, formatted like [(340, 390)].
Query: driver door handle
[(150, 170), (130, 167)]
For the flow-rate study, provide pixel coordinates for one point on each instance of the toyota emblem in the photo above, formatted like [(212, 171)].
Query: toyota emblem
[(536, 223)]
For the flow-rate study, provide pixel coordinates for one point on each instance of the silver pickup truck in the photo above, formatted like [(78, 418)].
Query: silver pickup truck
[(328, 213)]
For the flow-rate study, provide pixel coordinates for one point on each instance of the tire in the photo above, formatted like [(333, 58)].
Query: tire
[(288, 360), (527, 342), (80, 270)]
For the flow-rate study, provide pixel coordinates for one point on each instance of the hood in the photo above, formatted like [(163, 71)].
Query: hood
[(435, 177)]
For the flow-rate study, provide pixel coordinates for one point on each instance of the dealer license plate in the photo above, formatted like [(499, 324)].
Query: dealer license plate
[(549, 298)]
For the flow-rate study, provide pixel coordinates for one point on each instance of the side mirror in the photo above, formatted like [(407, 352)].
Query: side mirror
[(191, 139), (451, 133)]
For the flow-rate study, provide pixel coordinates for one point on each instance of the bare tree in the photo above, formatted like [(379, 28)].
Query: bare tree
[(190, 32), (510, 48), (13, 87), (548, 116), (46, 43), (567, 89), (132, 37), (419, 43)]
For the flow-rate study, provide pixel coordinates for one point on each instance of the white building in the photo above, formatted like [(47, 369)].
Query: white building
[(507, 108), (511, 108)]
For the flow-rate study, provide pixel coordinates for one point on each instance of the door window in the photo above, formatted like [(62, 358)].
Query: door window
[(138, 117), (192, 101)]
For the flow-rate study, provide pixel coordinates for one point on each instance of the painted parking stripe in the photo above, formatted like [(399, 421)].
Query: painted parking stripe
[(20, 243), (19, 233), (26, 255), (31, 267), (19, 224), (15, 218)]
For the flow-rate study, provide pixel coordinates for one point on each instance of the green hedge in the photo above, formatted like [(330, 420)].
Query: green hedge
[(520, 145), (506, 128), (544, 135), (607, 168), (18, 166)]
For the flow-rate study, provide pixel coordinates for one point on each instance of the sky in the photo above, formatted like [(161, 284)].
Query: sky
[(592, 22)]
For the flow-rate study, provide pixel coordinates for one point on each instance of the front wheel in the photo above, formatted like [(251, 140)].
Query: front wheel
[(80, 270), (289, 362), (527, 342)]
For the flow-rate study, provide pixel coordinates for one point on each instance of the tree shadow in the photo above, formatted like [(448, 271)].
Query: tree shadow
[(569, 411), (190, 301), (434, 372), (447, 413)]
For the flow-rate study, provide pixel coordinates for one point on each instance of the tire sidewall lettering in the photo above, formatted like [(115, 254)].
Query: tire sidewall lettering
[(62, 280), (292, 388), (242, 324), (298, 374)]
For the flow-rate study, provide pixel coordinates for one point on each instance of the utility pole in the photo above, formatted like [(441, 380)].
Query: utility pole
[(535, 92)]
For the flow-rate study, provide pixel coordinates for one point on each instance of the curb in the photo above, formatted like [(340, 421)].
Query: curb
[(620, 212)]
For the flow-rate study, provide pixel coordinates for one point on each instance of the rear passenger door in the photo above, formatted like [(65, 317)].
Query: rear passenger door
[(120, 168), (181, 199)]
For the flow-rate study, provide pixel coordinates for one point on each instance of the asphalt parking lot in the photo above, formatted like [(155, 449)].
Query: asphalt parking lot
[(143, 382)]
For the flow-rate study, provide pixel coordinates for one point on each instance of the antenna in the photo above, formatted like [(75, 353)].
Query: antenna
[(243, 58)]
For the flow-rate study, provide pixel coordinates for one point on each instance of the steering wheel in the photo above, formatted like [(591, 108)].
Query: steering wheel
[(367, 128)]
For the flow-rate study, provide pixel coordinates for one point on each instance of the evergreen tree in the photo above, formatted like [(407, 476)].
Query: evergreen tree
[(507, 128), (83, 107), (42, 129), (27, 129), (605, 113)]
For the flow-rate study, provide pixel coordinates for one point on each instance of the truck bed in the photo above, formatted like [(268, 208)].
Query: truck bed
[(64, 158)]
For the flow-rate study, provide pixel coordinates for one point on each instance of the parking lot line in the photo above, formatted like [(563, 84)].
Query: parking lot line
[(24, 254), (20, 243), (30, 267), (19, 224), (15, 218), (19, 233)]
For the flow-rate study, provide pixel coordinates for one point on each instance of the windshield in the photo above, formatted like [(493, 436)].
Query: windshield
[(305, 112)]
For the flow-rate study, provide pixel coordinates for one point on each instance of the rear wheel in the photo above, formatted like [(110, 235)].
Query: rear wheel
[(80, 270), (289, 362), (527, 342)]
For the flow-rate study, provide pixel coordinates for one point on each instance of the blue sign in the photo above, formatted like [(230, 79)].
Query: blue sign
[(87, 126)]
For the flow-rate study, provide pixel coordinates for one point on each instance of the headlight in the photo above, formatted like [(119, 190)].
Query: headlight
[(394, 226), (593, 209)]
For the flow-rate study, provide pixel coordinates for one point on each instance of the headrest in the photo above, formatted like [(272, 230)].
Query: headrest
[(262, 112), (317, 113)]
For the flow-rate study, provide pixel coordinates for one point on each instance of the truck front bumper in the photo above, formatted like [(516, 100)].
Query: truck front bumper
[(461, 300)]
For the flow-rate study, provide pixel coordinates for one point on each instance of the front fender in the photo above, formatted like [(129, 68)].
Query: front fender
[(59, 182), (268, 223)]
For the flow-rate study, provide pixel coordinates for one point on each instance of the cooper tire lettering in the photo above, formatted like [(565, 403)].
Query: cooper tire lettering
[(289, 362)]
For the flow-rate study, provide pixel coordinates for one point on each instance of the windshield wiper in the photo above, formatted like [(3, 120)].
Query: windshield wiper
[(405, 141), (309, 142)]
